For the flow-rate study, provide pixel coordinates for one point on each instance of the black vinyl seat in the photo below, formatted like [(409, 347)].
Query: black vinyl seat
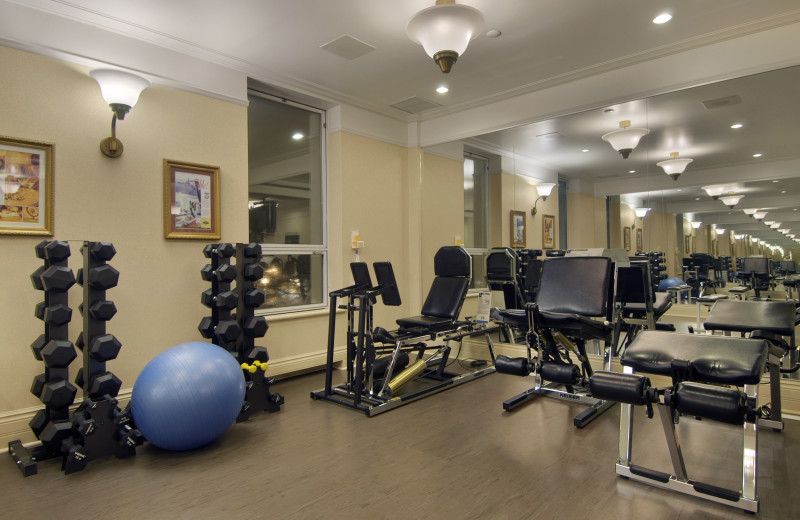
[(446, 295)]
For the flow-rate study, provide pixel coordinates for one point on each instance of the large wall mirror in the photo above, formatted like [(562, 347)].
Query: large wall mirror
[(742, 135)]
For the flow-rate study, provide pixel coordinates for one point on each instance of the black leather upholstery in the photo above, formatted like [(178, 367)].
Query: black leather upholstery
[(575, 285), (711, 359), (622, 388), (446, 295), (726, 405), (746, 316), (661, 304)]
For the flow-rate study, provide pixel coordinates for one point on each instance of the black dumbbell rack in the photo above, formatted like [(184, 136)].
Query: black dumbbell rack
[(237, 332), (98, 427)]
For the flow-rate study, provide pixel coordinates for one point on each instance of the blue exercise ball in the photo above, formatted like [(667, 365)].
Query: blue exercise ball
[(187, 396), (672, 281)]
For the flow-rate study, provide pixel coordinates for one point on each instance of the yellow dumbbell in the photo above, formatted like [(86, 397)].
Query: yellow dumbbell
[(250, 368)]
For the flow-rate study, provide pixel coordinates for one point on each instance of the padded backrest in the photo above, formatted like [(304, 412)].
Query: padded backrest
[(632, 283), (446, 297), (448, 290), (361, 276), (575, 285), (451, 261), (755, 264), (501, 265), (390, 295)]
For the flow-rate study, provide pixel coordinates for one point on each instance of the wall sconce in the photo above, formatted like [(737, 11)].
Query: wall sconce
[(625, 140), (719, 231), (674, 167), (641, 212), (445, 30), (739, 237), (695, 224), (544, 190), (731, 200), (121, 91)]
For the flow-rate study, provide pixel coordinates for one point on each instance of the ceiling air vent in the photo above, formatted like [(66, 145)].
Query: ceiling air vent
[(348, 47), (415, 105), (722, 102)]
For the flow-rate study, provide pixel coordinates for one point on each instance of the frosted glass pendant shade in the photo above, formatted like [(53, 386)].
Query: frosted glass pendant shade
[(445, 30)]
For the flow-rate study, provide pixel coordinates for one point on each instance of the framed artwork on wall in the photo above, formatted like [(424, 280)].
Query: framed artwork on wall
[(639, 241), (517, 229), (694, 245), (626, 236), (687, 246), (26, 187), (191, 200), (548, 232)]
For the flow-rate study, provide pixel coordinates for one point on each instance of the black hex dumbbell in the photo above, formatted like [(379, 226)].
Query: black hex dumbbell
[(252, 250), (103, 251), (40, 253), (54, 433), (254, 298), (59, 393), (255, 327), (227, 331), (253, 272), (226, 250), (56, 251), (208, 251), (226, 273), (57, 315), (227, 300), (105, 383), (79, 378), (105, 347), (256, 354), (57, 278), (103, 277), (207, 272), (38, 385), (37, 346), (58, 353), (38, 311), (36, 278), (103, 310), (206, 327), (38, 422)]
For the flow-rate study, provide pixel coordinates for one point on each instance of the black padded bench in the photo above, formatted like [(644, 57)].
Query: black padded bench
[(770, 320), (698, 367)]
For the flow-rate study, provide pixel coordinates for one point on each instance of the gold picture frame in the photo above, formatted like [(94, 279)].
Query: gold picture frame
[(191, 200), (26, 186), (548, 232), (626, 236), (639, 240), (518, 229)]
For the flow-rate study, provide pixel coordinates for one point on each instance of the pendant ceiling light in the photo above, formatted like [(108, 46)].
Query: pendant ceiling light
[(750, 211), (674, 167), (731, 200), (625, 140), (714, 191), (759, 215), (445, 30)]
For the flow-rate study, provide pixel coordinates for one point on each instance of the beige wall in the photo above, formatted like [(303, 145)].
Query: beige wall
[(586, 221), (518, 193), (117, 200)]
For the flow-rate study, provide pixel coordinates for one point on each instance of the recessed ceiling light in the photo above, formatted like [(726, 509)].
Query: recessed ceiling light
[(697, 198), (776, 180), (737, 125), (662, 18), (631, 171), (297, 136), (757, 154), (585, 150), (679, 189), (783, 191), (608, 110), (442, 89), (493, 33)]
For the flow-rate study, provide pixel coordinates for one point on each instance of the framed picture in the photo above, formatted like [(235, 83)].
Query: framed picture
[(517, 229), (639, 241), (694, 244), (191, 200), (548, 232), (687, 247), (26, 187), (626, 235)]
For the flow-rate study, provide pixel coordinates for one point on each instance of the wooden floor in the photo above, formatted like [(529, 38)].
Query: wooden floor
[(454, 455)]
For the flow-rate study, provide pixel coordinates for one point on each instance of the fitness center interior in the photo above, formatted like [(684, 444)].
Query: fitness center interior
[(292, 279)]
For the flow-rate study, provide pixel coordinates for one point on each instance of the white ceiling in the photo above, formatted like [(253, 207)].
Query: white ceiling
[(543, 43)]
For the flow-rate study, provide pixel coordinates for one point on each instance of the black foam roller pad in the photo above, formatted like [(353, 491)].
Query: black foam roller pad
[(622, 388), (566, 374), (726, 405), (514, 366)]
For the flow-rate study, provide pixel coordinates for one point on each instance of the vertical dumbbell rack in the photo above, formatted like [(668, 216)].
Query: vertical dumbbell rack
[(101, 428), (98, 427), (237, 333)]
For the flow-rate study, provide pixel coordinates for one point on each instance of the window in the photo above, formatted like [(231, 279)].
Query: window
[(287, 201), (476, 216)]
